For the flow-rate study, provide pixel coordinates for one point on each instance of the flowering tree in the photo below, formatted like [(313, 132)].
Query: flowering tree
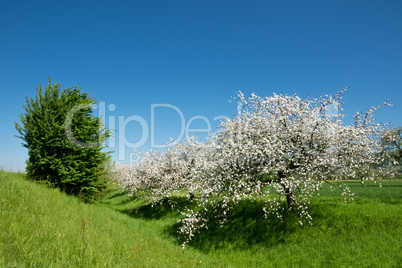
[(280, 149), (158, 175), (392, 141), (300, 141)]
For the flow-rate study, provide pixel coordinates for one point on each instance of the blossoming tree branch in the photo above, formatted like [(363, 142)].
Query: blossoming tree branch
[(279, 149)]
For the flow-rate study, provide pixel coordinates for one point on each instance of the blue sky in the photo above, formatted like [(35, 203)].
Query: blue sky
[(192, 56)]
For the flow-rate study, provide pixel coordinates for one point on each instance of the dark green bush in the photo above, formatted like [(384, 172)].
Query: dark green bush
[(64, 141)]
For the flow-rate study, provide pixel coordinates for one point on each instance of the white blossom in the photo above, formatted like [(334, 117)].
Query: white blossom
[(277, 148)]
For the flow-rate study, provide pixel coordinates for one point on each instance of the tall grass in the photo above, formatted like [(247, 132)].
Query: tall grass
[(41, 227)]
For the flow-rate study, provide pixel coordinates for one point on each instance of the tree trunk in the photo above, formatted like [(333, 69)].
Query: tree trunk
[(191, 196), (290, 199)]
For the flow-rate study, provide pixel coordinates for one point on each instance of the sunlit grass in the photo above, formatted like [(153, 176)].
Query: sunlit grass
[(41, 227)]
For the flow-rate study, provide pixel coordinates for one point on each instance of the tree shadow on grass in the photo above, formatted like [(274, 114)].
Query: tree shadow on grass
[(117, 194), (117, 197), (247, 226), (160, 210)]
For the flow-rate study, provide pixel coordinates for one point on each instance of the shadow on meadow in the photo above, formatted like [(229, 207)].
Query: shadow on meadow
[(247, 225), (117, 195), (159, 210)]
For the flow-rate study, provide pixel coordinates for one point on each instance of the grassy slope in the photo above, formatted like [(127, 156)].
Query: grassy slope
[(42, 227)]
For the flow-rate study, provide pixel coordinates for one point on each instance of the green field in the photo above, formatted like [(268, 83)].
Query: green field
[(41, 227)]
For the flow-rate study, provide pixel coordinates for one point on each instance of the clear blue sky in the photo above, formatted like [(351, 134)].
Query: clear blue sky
[(195, 55)]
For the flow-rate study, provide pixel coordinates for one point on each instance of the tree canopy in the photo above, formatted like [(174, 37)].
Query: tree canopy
[(64, 140), (279, 149)]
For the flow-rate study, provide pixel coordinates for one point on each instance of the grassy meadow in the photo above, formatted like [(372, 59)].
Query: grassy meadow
[(42, 227)]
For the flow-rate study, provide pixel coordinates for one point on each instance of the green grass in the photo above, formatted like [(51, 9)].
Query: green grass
[(41, 227)]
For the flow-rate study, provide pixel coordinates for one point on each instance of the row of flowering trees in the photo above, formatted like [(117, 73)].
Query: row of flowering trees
[(280, 149)]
